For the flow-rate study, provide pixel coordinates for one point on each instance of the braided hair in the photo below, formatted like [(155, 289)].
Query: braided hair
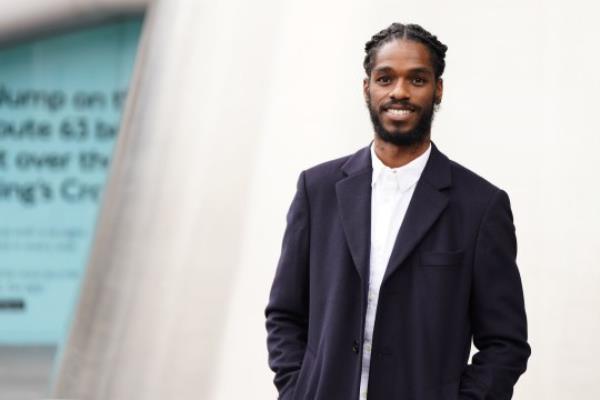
[(414, 32)]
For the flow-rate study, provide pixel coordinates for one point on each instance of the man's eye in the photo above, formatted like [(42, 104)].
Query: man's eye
[(418, 81), (383, 79)]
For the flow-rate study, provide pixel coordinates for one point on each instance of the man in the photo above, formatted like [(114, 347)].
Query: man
[(395, 258)]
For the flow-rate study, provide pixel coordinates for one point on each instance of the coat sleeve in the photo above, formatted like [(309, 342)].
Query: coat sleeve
[(287, 309), (497, 309)]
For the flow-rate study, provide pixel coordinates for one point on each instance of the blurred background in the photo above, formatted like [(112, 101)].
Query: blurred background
[(149, 151)]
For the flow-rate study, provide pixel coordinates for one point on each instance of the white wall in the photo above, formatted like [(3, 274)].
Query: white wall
[(519, 109)]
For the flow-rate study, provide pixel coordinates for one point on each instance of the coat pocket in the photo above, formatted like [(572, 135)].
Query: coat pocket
[(304, 384), (442, 258)]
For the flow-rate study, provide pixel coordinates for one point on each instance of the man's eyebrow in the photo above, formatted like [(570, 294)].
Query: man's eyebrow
[(421, 70), (383, 69)]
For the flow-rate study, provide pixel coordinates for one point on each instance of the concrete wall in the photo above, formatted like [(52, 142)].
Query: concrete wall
[(26, 18)]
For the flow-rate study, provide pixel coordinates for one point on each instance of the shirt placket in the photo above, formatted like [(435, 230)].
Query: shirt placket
[(385, 198)]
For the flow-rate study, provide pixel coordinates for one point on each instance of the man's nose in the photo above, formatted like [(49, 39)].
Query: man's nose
[(400, 90)]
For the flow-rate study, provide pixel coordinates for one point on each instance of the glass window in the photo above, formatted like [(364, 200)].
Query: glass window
[(61, 99)]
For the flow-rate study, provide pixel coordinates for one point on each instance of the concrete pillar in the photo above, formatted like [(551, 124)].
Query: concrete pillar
[(155, 297)]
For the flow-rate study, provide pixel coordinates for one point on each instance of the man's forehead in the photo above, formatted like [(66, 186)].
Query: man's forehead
[(404, 54), (384, 68)]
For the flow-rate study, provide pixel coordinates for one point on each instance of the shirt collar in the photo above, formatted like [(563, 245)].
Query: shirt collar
[(405, 176)]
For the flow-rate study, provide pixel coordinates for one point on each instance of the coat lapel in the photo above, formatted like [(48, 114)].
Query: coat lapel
[(427, 203), (354, 202)]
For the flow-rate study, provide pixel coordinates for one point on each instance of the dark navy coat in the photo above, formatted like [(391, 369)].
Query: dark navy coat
[(451, 278)]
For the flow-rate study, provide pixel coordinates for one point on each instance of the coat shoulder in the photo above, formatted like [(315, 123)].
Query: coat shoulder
[(325, 174), (475, 188)]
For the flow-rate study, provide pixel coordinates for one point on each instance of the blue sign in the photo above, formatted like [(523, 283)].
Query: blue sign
[(61, 100)]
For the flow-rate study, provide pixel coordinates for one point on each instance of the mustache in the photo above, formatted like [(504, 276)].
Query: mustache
[(402, 104)]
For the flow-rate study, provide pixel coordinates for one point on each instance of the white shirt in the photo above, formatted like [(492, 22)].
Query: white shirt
[(391, 191)]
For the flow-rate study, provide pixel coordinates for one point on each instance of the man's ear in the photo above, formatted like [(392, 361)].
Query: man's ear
[(439, 90), (366, 89)]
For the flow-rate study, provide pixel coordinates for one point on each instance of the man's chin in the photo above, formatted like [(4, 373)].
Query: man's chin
[(403, 139), (406, 134)]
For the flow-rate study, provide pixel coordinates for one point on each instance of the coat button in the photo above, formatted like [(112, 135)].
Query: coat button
[(355, 346)]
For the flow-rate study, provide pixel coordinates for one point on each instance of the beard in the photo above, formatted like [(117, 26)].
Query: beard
[(413, 137)]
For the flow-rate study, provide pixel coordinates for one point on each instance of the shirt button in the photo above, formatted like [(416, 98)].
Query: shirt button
[(355, 347)]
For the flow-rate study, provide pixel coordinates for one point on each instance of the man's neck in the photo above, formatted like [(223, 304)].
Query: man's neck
[(394, 156)]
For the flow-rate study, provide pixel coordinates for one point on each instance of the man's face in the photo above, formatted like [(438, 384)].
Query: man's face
[(401, 92)]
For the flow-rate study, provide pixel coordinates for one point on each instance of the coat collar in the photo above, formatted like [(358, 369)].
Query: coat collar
[(354, 201), (436, 172)]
